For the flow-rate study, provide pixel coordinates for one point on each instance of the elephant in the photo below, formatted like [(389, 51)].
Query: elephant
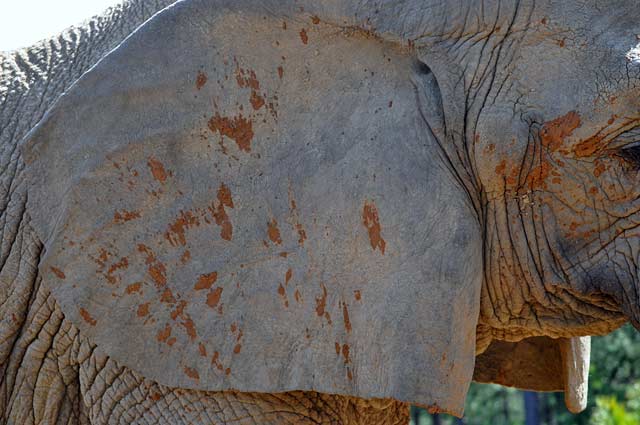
[(287, 211)]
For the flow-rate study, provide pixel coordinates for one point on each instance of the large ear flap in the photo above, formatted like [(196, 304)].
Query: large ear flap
[(539, 364), (240, 200)]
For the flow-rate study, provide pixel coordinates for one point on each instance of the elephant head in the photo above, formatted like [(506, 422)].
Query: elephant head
[(351, 197)]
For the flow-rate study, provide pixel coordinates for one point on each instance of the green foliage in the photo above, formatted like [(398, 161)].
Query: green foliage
[(609, 411), (614, 392)]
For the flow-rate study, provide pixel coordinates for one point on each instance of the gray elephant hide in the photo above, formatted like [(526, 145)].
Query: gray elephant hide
[(252, 200)]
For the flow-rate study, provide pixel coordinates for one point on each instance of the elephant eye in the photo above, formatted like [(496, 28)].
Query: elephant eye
[(630, 153)]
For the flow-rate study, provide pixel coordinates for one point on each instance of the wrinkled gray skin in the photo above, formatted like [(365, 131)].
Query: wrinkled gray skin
[(527, 92)]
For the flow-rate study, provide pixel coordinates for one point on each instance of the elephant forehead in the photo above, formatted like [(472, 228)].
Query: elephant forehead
[(257, 215)]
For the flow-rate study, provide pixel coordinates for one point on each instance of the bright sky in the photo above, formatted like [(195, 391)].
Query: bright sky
[(23, 22)]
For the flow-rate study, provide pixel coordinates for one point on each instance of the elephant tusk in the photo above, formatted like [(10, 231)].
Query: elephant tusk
[(575, 353)]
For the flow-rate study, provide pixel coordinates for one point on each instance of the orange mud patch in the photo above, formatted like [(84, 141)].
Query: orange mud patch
[(372, 223), (345, 354), (345, 316), (213, 297), (206, 281), (190, 328), (120, 265), (191, 373), (201, 80), (554, 132), (303, 36), (87, 317), (167, 297), (274, 232), (238, 129), (157, 272), (143, 310), (157, 170), (256, 100), (202, 349), (186, 256), (220, 214), (59, 274), (176, 232), (302, 234), (224, 196), (164, 334), (246, 78), (134, 287), (321, 302), (124, 216), (283, 294)]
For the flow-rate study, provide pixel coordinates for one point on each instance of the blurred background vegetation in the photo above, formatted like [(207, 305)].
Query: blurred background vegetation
[(614, 393)]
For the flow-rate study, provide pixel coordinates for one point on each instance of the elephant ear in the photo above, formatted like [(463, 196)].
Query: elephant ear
[(237, 200)]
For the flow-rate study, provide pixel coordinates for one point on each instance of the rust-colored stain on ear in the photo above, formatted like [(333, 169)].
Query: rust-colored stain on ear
[(554, 132), (190, 328), (87, 317), (206, 281), (164, 334), (224, 196), (303, 36), (283, 293), (124, 216), (302, 234), (357, 295), (345, 316), (239, 129), (246, 78), (202, 349), (120, 265), (321, 302), (167, 297), (201, 80), (274, 232), (143, 310), (256, 100), (134, 287), (315, 20), (288, 275), (157, 170), (372, 223), (191, 373), (186, 256), (176, 232), (345, 353), (220, 214), (215, 362), (213, 297), (157, 272), (280, 72), (59, 274)]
